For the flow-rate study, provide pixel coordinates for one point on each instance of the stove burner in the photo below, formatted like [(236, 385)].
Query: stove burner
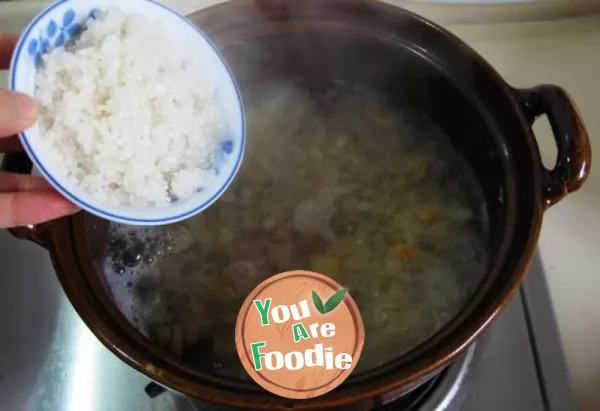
[(412, 400), (153, 390), (436, 393), (450, 383), (433, 395)]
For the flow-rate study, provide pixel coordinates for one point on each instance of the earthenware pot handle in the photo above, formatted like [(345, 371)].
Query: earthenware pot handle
[(20, 163), (574, 158)]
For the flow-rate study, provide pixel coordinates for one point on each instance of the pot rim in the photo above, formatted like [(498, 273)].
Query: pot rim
[(152, 363)]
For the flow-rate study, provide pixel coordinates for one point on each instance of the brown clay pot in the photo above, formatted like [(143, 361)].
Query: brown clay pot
[(414, 62)]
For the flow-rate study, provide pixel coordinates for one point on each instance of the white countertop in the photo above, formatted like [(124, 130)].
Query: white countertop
[(565, 53), (550, 50)]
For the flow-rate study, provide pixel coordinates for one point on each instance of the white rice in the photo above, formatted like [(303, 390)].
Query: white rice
[(126, 115)]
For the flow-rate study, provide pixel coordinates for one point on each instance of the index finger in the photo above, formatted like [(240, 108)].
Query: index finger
[(20, 209), (8, 42)]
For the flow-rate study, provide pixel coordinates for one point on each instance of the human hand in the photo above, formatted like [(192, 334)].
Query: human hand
[(24, 199)]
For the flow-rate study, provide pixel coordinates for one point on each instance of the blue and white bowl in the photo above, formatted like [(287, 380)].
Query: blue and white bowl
[(63, 20)]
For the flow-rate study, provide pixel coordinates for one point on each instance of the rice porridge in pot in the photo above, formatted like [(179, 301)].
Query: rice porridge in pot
[(337, 183)]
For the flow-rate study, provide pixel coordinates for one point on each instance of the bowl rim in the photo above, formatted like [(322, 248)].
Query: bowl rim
[(105, 211)]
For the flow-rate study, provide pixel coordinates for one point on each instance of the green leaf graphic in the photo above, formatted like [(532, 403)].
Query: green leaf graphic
[(317, 302), (335, 300)]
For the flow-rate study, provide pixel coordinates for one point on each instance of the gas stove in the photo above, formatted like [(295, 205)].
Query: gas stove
[(50, 361)]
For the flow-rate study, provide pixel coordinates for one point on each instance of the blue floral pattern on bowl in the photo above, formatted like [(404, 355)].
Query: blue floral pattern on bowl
[(57, 34), (226, 148)]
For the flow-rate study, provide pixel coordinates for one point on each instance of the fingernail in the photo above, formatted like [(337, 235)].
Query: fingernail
[(28, 108)]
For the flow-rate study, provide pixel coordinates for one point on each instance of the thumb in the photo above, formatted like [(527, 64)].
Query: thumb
[(17, 112)]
